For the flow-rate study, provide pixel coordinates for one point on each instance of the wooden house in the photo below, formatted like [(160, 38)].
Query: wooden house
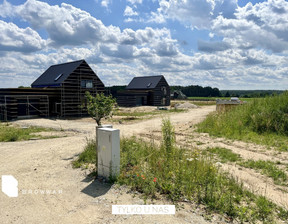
[(59, 91), (147, 90), (73, 79)]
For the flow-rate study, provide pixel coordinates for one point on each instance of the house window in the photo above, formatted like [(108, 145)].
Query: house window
[(58, 77), (164, 90), (86, 84)]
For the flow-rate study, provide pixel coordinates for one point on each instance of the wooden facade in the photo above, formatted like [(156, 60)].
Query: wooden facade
[(59, 91), (23, 103), (145, 91), (73, 90)]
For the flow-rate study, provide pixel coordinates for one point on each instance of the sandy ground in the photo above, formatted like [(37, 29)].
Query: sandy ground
[(46, 164), (41, 165)]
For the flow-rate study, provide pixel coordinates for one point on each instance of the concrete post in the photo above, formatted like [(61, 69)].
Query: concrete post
[(108, 152)]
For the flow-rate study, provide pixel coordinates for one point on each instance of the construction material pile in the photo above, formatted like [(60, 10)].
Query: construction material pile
[(185, 105)]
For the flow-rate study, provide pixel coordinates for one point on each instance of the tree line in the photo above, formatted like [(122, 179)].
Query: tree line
[(198, 91), (250, 93)]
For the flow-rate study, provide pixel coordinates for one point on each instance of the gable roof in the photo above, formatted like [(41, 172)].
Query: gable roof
[(145, 82), (56, 74)]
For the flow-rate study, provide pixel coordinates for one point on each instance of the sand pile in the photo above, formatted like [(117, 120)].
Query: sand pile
[(185, 105)]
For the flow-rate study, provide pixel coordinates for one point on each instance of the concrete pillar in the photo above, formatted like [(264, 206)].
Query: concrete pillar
[(108, 152)]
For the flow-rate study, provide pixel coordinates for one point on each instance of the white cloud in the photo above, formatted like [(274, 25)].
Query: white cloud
[(209, 46), (134, 2), (105, 3), (6, 9), (129, 11), (13, 38), (66, 25), (230, 69), (262, 25), (194, 13), (243, 52)]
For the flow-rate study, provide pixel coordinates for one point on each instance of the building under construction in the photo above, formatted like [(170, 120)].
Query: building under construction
[(59, 91), (145, 91)]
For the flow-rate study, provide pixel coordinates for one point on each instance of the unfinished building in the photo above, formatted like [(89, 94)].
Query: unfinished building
[(145, 91), (59, 91)]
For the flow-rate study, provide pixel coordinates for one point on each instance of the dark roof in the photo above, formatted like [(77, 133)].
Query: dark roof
[(146, 82), (56, 74)]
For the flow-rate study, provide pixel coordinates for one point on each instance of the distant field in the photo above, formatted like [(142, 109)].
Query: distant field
[(215, 98)]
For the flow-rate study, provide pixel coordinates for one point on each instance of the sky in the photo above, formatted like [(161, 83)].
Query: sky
[(228, 44)]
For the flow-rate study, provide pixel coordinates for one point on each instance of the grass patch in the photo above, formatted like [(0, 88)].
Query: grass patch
[(262, 121), (10, 133), (178, 174), (88, 156), (146, 113), (267, 168), (126, 116), (225, 155)]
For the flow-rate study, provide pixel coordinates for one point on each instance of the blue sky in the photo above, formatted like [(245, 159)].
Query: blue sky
[(227, 44)]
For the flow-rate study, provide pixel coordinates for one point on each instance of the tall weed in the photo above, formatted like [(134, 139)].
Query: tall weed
[(263, 121), (179, 174)]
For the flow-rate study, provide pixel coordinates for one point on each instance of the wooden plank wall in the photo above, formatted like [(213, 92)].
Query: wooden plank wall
[(152, 97), (73, 95), (128, 98), (10, 98), (159, 95)]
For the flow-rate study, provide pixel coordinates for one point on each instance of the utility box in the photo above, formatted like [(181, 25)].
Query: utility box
[(108, 152)]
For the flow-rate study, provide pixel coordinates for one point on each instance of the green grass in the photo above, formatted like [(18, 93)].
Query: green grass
[(222, 98), (88, 156), (10, 133), (225, 155), (262, 121), (267, 168), (204, 101), (142, 113), (178, 173)]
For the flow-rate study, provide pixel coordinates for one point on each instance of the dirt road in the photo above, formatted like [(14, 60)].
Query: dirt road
[(50, 191), (46, 165)]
